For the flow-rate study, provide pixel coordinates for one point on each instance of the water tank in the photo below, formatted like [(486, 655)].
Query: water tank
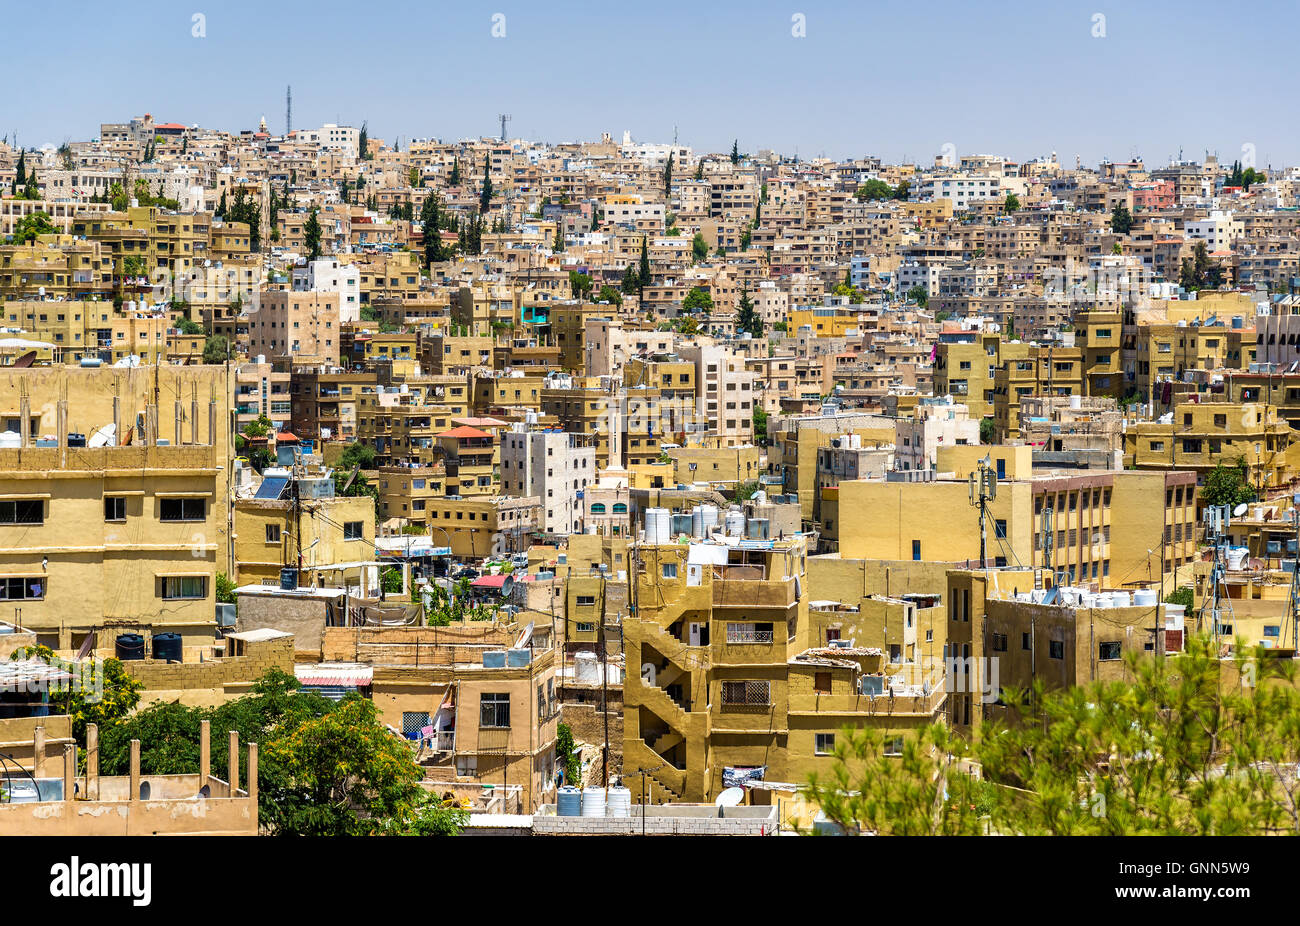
[(289, 578), (758, 529), (681, 524), (658, 524), (11, 439), (77, 439), (697, 522), (494, 659), (1076, 402), (1119, 599), (130, 646), (593, 802), (518, 658), (1145, 597), (569, 802), (709, 516), (168, 646), (1102, 601), (585, 669), (735, 524), (619, 803)]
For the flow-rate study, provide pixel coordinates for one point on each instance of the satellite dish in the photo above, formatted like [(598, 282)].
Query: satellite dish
[(1240, 510), (730, 797)]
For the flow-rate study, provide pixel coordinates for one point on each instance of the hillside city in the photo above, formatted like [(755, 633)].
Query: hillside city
[(617, 487)]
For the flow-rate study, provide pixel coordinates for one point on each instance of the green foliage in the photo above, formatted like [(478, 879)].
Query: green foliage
[(1011, 203), (1121, 220), (631, 280), (747, 319), (698, 300), (390, 580), (485, 196), (1182, 596), (444, 608), (919, 295), (873, 190), (311, 235), (30, 226), (609, 294), (225, 589), (259, 428), (1228, 485), (121, 692), (215, 349), (189, 326), (988, 430), (760, 425), (565, 755), (580, 284), (699, 248), (644, 275), (735, 152)]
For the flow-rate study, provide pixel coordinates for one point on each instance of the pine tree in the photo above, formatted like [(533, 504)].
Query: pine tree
[(311, 235), (631, 280), (221, 206), (558, 246), (746, 318), (485, 197), (735, 152), (643, 278), (20, 178), (363, 143), (668, 177), (699, 169), (454, 179)]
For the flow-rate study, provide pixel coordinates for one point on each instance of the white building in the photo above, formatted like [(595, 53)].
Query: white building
[(962, 188), (725, 392), (556, 467), (935, 423), (327, 275), (1218, 231), (343, 138)]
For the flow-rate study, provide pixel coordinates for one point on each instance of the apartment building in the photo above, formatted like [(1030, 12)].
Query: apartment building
[(553, 466), (296, 327)]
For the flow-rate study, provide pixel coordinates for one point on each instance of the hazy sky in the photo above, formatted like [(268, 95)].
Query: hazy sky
[(895, 79)]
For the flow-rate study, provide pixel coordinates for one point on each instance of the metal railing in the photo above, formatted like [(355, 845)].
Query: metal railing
[(741, 635)]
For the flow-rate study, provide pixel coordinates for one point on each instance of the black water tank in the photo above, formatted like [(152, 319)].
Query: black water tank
[(168, 646), (76, 439), (289, 578), (130, 646)]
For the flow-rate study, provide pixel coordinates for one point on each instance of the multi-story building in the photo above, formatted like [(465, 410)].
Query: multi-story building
[(554, 466)]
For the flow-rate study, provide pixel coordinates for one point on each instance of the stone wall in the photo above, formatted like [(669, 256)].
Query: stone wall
[(259, 658)]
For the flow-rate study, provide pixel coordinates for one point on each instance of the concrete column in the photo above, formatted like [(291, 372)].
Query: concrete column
[(135, 771), (69, 770), (92, 761), (233, 762), (205, 752), (252, 772), (38, 751)]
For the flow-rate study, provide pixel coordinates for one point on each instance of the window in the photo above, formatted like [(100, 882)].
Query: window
[(354, 530), (494, 711), (174, 587), (670, 570), (1108, 651), (1024, 641), (823, 744), (1056, 649), (999, 642), (743, 693), (466, 765), (22, 511), (114, 508), (414, 721), (586, 601), (894, 746), (585, 627), (181, 509), (29, 588), (916, 550), (822, 682), (273, 533)]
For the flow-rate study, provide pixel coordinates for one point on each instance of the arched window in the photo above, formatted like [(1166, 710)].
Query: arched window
[(620, 508), (597, 507)]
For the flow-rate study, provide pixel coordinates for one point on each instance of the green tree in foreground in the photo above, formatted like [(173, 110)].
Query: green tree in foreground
[(1228, 485)]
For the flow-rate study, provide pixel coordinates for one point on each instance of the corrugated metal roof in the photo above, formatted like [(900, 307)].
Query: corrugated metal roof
[(348, 674)]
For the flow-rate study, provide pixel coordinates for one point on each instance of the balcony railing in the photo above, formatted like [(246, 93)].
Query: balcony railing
[(749, 636)]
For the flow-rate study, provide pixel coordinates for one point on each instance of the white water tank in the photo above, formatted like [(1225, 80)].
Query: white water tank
[(1145, 597), (1119, 599), (618, 803), (586, 671), (593, 802), (709, 516), (658, 525), (697, 522), (735, 523)]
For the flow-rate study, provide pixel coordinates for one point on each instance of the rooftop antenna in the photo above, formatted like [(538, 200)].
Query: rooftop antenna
[(288, 110), (504, 117)]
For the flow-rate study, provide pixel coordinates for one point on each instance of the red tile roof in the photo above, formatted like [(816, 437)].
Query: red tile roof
[(464, 431)]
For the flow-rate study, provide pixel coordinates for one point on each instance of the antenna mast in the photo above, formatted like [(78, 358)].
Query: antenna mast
[(504, 117), (288, 109)]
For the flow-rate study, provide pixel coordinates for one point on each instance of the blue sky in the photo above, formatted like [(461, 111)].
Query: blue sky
[(896, 79)]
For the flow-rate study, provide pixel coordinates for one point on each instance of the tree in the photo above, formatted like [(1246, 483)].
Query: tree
[(699, 248), (363, 143), (698, 300), (631, 280), (901, 191), (668, 177), (735, 152), (580, 284), (485, 197), (919, 295), (429, 221), (609, 294), (454, 179), (221, 206), (566, 756), (85, 705), (1011, 203), (558, 245), (29, 227), (1121, 220), (896, 785), (216, 349), (1228, 485), (644, 277), (189, 326), (746, 318), (311, 235), (225, 589), (699, 169), (988, 431), (760, 425), (874, 190)]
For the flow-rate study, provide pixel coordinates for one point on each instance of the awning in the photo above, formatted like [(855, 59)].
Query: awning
[(337, 674)]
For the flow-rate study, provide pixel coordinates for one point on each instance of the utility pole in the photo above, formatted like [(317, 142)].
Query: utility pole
[(983, 489)]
